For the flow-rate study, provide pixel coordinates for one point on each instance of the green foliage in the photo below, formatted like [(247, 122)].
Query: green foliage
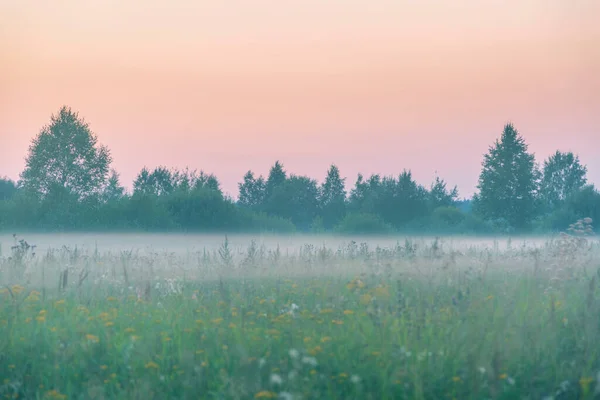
[(67, 185), (508, 182), (563, 176), (8, 189), (363, 223), (66, 155)]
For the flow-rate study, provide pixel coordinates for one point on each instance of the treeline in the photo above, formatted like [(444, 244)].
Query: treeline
[(68, 184)]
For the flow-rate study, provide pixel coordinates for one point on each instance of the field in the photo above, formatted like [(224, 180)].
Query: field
[(194, 317)]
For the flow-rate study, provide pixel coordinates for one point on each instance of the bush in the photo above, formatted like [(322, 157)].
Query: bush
[(363, 223)]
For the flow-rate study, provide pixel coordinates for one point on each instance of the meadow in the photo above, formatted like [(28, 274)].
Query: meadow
[(242, 317)]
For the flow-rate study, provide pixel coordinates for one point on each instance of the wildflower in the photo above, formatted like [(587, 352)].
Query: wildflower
[(276, 379), (151, 365), (286, 396), (502, 376), (326, 311), (366, 299), (265, 395), (103, 367), (111, 299), (109, 324), (217, 321), (167, 339), (337, 322), (59, 303), (129, 330), (40, 318), (348, 312), (355, 379), (456, 379), (307, 339), (309, 361), (294, 353), (16, 289), (92, 338), (325, 339)]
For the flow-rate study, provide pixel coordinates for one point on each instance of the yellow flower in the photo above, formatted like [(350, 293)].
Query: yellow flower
[(348, 312), (265, 394), (129, 330), (366, 299), (103, 367), (111, 298), (325, 339), (307, 339), (92, 338), (16, 289), (151, 365), (382, 292), (167, 339), (217, 321), (40, 318), (456, 379), (232, 326), (502, 376), (337, 322), (59, 303), (326, 311), (109, 324)]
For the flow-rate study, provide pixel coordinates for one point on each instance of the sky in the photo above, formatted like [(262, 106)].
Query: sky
[(374, 86)]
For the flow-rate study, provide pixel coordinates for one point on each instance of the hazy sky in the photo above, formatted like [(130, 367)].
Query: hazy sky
[(373, 86)]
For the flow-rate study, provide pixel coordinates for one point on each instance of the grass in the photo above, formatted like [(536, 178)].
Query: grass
[(414, 321)]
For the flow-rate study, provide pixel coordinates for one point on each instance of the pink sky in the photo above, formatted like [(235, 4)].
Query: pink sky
[(373, 86)]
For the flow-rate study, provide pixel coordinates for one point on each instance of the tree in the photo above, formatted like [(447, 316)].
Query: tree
[(277, 177), (252, 191), (7, 189), (508, 182), (295, 199), (332, 198), (563, 175), (66, 154), (113, 189), (440, 196)]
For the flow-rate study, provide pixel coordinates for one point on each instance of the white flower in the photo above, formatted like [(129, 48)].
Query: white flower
[(310, 361), (294, 353), (261, 363), (510, 381), (294, 307), (286, 396), (355, 379), (276, 379), (482, 370)]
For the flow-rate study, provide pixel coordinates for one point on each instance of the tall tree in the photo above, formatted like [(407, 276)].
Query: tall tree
[(508, 182), (277, 177), (66, 154), (332, 198), (563, 175)]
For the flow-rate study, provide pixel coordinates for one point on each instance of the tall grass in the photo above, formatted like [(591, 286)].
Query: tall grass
[(413, 321)]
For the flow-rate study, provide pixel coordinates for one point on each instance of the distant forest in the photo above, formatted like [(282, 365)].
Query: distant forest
[(68, 185)]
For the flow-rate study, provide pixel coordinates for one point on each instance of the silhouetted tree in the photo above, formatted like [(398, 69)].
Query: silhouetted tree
[(332, 198), (508, 182), (66, 154)]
